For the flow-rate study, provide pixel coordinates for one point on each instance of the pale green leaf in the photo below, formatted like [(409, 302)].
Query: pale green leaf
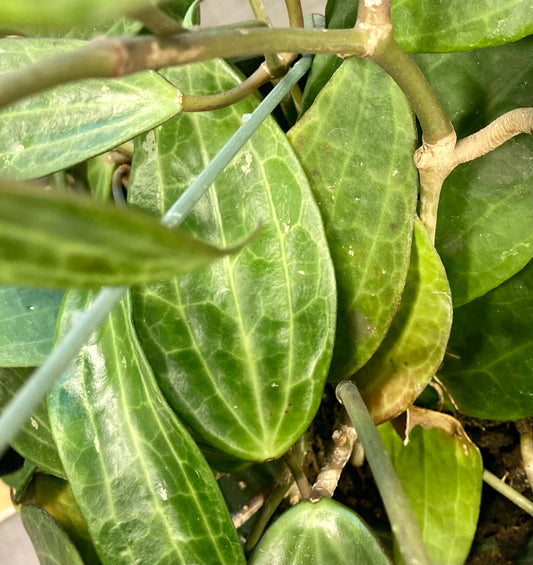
[(414, 346), (141, 483), (356, 144), (57, 128), (241, 349), (441, 474), (51, 543), (34, 441), (28, 318), (319, 533), (58, 239)]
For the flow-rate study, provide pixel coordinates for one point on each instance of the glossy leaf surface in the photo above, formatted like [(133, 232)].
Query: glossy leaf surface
[(35, 441), (490, 362), (86, 243), (120, 442), (414, 346), (28, 323), (241, 349), (356, 144), (484, 231), (314, 534), (441, 475), (38, 136), (52, 545)]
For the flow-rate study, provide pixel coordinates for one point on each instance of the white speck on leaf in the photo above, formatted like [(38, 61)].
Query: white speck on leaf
[(247, 168), (34, 423), (20, 147)]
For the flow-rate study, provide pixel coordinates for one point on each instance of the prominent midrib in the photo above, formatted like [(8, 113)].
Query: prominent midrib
[(133, 431)]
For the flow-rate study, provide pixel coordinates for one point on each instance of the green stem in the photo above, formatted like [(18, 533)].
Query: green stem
[(156, 20), (222, 100), (424, 102), (295, 13), (34, 390), (403, 521), (259, 10), (510, 493), (293, 459), (269, 507), (112, 57)]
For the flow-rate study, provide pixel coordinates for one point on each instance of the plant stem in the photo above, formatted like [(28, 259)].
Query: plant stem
[(192, 103), (269, 507), (344, 439), (510, 493), (156, 20), (293, 459), (259, 10), (295, 13), (495, 134), (114, 56), (525, 429), (403, 522), (33, 392), (424, 102)]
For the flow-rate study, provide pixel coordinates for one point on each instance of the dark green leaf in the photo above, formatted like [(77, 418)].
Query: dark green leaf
[(339, 14), (35, 441), (484, 231), (59, 239), (140, 481), (490, 362), (314, 534), (241, 349), (28, 318), (414, 346), (441, 475), (54, 129), (356, 145), (63, 13), (51, 543), (55, 496)]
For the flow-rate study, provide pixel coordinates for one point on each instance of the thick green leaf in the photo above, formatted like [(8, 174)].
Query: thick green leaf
[(52, 545), (65, 125), (356, 145), (414, 346), (35, 441), (59, 239), (315, 534), (241, 349), (490, 362), (55, 497), (28, 318), (484, 231), (140, 481), (441, 475), (63, 13)]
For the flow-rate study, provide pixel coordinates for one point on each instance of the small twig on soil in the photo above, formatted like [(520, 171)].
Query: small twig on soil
[(246, 511), (509, 492), (343, 441), (525, 429)]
